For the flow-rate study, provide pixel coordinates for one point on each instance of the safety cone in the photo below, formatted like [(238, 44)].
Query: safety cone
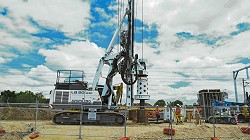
[(215, 139), (125, 138)]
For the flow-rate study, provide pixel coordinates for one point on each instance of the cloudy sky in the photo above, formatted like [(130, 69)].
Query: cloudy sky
[(188, 45)]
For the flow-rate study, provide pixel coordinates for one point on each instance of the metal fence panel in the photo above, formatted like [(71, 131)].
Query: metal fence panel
[(20, 120)]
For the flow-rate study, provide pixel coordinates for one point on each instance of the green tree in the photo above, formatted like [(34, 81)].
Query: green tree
[(177, 102), (22, 97), (26, 97), (160, 103), (8, 96)]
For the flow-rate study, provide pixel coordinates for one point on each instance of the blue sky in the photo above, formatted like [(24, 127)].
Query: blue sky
[(186, 50)]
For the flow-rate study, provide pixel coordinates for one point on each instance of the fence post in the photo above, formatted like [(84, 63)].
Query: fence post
[(80, 128), (214, 122), (170, 122), (125, 124), (35, 131), (8, 102)]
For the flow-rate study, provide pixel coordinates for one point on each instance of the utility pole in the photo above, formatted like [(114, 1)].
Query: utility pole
[(244, 90), (244, 84)]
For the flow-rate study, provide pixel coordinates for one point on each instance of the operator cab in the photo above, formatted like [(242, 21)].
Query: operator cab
[(71, 91)]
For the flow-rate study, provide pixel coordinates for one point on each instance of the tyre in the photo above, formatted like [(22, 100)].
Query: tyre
[(120, 119), (167, 121), (241, 118), (233, 121), (212, 120)]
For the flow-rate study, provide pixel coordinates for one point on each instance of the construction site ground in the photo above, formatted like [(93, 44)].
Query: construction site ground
[(18, 124), (48, 131)]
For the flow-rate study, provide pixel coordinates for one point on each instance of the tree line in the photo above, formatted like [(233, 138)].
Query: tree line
[(27, 96)]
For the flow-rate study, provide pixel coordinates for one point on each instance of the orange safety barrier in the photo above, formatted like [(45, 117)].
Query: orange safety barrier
[(33, 136), (245, 130), (242, 129), (125, 138), (150, 114), (169, 131)]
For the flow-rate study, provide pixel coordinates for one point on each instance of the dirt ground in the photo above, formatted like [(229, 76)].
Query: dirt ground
[(20, 122), (17, 113), (48, 131)]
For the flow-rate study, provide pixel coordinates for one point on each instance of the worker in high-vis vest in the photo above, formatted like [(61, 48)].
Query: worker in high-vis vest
[(157, 113), (178, 110), (199, 109), (178, 114)]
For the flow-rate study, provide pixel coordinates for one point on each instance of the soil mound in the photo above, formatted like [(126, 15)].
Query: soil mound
[(14, 113)]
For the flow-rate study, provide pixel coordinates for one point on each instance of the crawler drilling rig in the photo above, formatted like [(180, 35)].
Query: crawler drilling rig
[(131, 70)]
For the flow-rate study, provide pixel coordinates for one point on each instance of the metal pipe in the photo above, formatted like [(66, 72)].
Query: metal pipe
[(242, 69), (235, 86), (132, 47), (132, 28), (244, 91)]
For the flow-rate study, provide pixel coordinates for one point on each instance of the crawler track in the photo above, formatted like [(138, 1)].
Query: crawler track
[(102, 118)]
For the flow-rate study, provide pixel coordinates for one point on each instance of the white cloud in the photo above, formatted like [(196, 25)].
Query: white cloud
[(8, 56), (26, 66), (39, 79), (193, 61), (2, 60), (67, 16), (22, 44), (11, 24), (42, 73), (76, 55), (202, 15), (102, 13), (205, 66), (197, 17), (234, 48)]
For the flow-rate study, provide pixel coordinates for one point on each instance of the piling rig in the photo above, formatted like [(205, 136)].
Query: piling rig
[(97, 103)]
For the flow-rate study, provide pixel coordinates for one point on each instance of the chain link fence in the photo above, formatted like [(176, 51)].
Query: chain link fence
[(190, 122)]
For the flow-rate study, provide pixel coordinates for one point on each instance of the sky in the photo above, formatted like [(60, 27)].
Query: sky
[(188, 45)]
